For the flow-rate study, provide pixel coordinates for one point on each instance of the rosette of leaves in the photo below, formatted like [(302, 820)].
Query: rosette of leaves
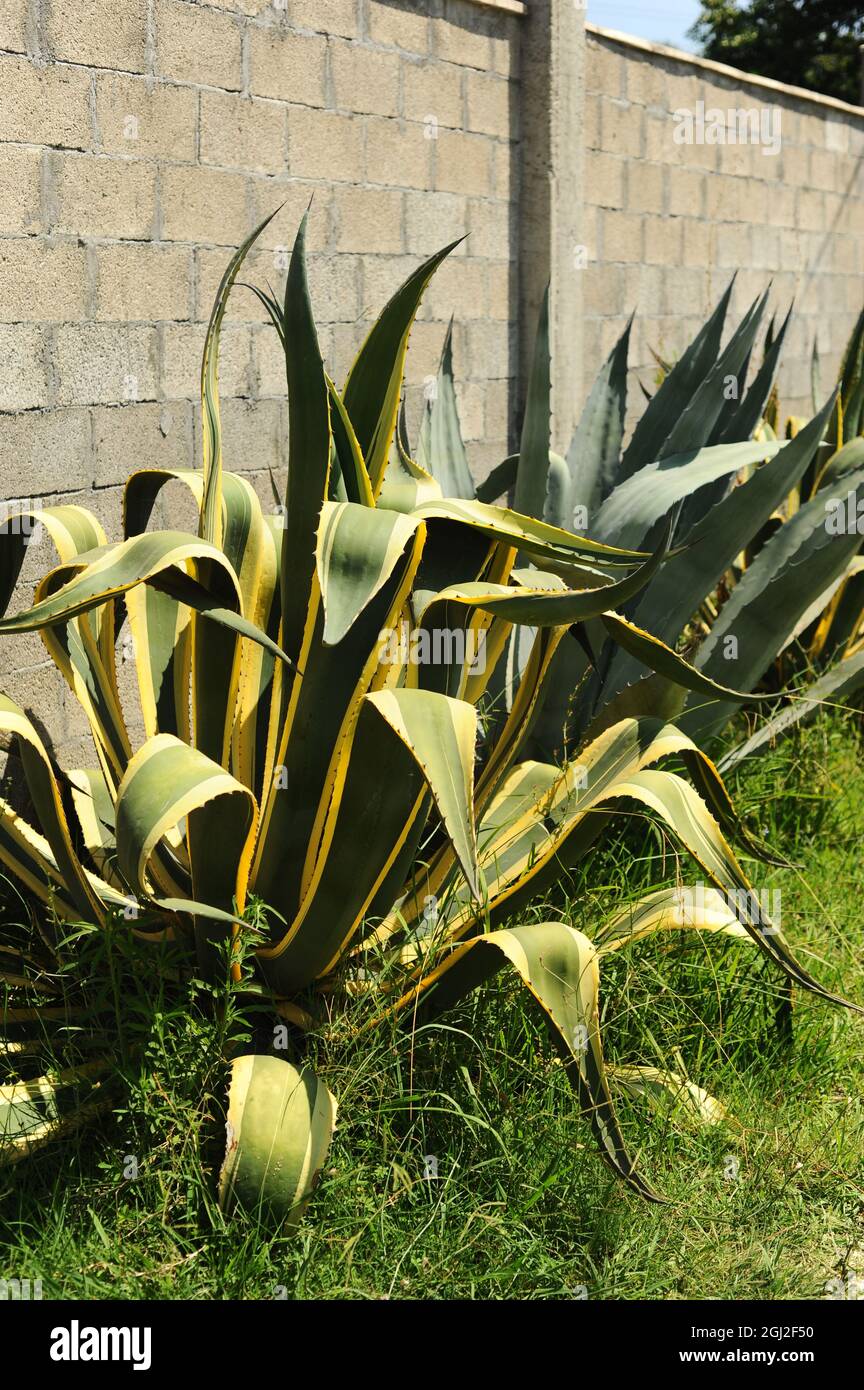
[(301, 788)]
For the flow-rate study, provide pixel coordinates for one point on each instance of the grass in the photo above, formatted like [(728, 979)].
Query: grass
[(769, 1207)]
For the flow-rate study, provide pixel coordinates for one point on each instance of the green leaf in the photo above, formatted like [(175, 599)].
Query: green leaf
[(109, 571), (660, 1085), (558, 966), (536, 538), (545, 603), (743, 418), (374, 384), (309, 441), (280, 1123), (676, 393), (800, 561), (662, 659), (47, 1108), (441, 449), (846, 461), (670, 909), (357, 550), (530, 498), (500, 480), (166, 784), (689, 576), (441, 734), (594, 456), (45, 795), (211, 507), (844, 679), (348, 455), (635, 505)]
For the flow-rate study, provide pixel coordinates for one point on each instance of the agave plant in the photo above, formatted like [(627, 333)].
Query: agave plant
[(304, 787), (830, 635), (757, 574)]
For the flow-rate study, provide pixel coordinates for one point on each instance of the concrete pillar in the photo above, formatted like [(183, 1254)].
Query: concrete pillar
[(551, 233)]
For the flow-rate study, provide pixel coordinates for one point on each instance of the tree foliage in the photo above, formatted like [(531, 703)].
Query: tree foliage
[(808, 43)]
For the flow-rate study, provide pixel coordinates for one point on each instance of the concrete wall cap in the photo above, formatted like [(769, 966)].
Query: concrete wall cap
[(508, 6), (738, 75)]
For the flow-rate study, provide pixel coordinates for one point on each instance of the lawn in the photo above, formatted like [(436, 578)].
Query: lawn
[(460, 1168)]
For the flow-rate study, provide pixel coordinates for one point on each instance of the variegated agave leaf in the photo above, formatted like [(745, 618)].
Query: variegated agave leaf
[(303, 762)]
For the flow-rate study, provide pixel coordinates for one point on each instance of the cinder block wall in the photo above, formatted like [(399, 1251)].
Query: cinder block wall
[(141, 140), (667, 224)]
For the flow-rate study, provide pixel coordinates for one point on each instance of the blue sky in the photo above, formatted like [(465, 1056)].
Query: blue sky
[(665, 21)]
